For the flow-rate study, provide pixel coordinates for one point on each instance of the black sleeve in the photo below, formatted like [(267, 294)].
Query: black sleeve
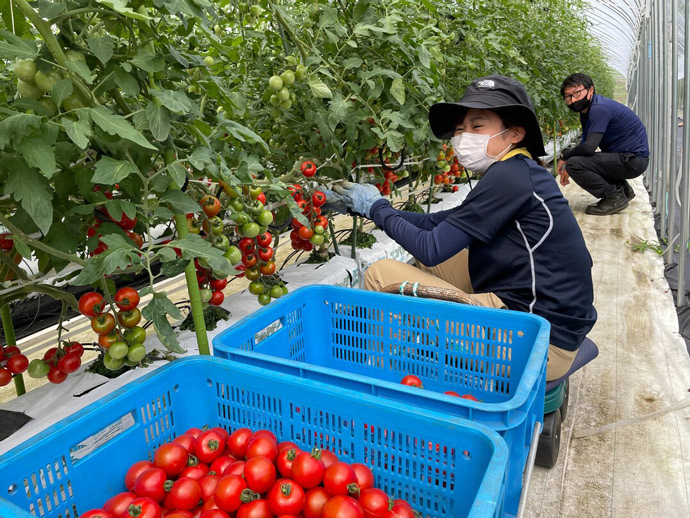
[(586, 148)]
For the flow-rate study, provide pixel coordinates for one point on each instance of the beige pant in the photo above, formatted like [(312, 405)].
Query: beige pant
[(453, 274)]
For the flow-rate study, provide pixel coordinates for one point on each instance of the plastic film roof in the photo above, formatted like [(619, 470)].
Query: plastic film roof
[(616, 24)]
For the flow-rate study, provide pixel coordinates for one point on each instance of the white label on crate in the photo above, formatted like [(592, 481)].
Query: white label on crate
[(267, 331), (98, 439)]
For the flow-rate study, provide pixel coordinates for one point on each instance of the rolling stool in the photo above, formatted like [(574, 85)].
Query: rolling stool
[(556, 406)]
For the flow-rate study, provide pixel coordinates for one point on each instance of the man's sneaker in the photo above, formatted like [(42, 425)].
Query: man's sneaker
[(628, 191), (612, 203)]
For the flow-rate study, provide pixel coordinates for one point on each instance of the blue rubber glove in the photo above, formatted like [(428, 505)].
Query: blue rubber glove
[(334, 202), (358, 197)]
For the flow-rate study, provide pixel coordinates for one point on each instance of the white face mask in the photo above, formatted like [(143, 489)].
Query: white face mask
[(470, 148)]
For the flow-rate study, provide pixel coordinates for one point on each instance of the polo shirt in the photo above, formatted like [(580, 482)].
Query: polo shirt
[(622, 129)]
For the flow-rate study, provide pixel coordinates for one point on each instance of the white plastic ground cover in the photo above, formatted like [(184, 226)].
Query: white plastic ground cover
[(49, 404)]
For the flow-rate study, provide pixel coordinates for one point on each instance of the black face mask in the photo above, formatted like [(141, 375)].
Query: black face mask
[(580, 105)]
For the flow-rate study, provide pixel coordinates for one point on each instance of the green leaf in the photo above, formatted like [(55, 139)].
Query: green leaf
[(352, 63), (319, 88), (114, 124), (395, 140), (176, 102), (179, 202), (173, 268), (103, 48), (15, 19), (178, 173), (82, 70), (79, 132), (110, 171), (121, 7), (38, 153), (157, 311), (117, 207), (424, 56), (148, 62), (15, 47), (32, 190), (338, 109), (16, 127), (398, 90), (61, 91), (159, 120), (242, 133), (193, 245), (49, 9), (126, 82)]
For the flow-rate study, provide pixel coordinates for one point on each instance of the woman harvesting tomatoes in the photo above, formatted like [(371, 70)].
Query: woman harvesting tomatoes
[(513, 242)]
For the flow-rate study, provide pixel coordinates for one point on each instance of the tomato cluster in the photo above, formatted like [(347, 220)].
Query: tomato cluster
[(306, 237), (281, 96), (125, 223), (412, 380), (247, 474), (388, 176), (210, 287), (58, 362), (449, 166), (12, 362), (119, 334)]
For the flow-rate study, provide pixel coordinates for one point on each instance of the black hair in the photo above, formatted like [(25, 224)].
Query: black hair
[(576, 80)]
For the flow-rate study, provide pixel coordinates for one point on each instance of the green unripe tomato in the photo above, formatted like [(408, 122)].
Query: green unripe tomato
[(276, 83), (318, 229), (111, 363), (256, 10), (257, 207), (300, 72), (264, 299), (136, 353), (25, 69), (49, 105), (243, 7), (265, 218), (222, 242), (275, 113), (288, 77), (38, 368), (250, 229), (291, 60), (404, 174), (217, 30), (285, 289), (254, 192), (316, 239), (241, 218), (73, 55), (283, 94), (256, 288), (285, 105), (220, 110), (276, 292), (136, 334), (274, 100), (46, 81), (209, 61), (205, 294), (446, 168), (72, 102), (28, 91), (233, 254), (118, 350)]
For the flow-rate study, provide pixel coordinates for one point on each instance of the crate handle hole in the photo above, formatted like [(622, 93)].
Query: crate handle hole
[(12, 489), (176, 388), (466, 455)]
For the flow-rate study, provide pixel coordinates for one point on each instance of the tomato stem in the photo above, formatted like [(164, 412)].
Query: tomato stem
[(11, 340)]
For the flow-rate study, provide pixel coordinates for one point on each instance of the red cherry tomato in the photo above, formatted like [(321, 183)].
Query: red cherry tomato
[(412, 381), (56, 376), (308, 168), (341, 506), (127, 298), (340, 479), (17, 364), (259, 473), (135, 470), (237, 442), (5, 376), (171, 457), (217, 298), (90, 304)]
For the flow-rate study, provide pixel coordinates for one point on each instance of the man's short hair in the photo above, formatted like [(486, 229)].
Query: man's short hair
[(576, 80)]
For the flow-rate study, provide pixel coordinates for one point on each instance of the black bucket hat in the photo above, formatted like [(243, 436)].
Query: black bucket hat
[(498, 93)]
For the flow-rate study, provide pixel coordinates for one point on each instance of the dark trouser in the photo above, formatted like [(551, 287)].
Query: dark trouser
[(601, 172)]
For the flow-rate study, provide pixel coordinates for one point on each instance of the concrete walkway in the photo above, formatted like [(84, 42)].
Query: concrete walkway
[(642, 469)]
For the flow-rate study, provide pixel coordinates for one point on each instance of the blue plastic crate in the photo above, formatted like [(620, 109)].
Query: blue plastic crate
[(368, 341), (445, 467)]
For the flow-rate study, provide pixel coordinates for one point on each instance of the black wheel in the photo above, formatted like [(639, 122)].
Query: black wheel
[(549, 440), (566, 398)]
